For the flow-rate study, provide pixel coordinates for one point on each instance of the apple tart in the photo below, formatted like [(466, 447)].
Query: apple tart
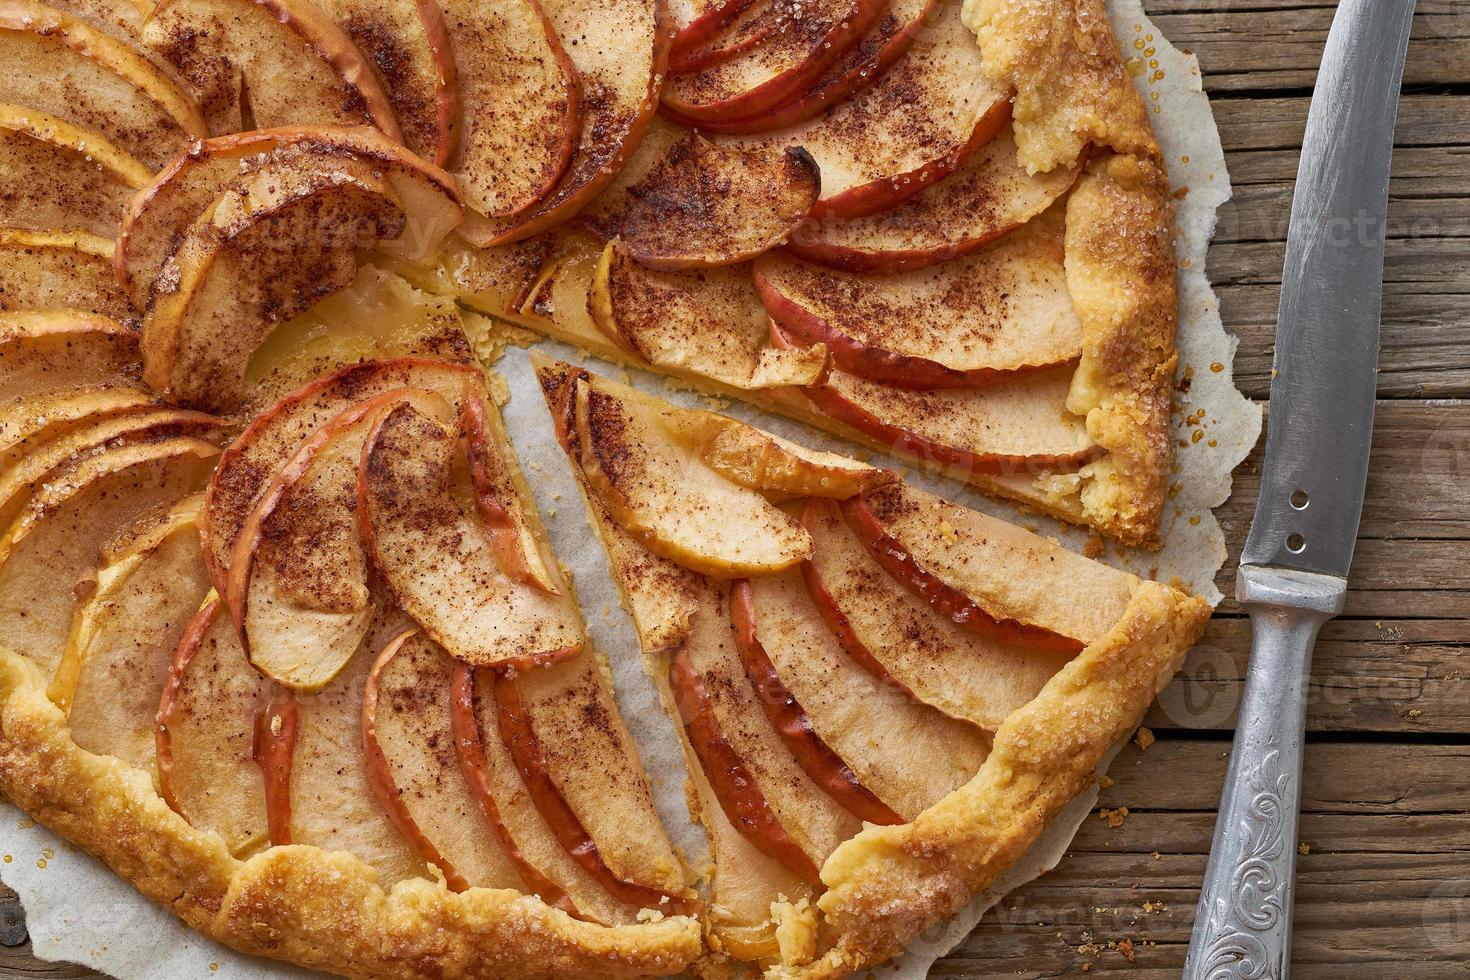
[(282, 637)]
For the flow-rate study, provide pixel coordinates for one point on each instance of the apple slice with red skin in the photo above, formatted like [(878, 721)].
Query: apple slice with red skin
[(332, 801), (1017, 426), (207, 717), (822, 764), (408, 42), (580, 767), (653, 316), (968, 557), (248, 465), (988, 197), (899, 638), (692, 22), (158, 216), (277, 62), (60, 64), (53, 543), (501, 495), (511, 811), (620, 49), (683, 202), (520, 126), (764, 793), (967, 323), (60, 270), (860, 66), (904, 753), (926, 116), (299, 594), (808, 38), (438, 559), (959, 608), (407, 735)]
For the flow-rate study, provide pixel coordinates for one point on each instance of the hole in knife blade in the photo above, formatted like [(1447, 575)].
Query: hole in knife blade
[(1296, 543), (1299, 499)]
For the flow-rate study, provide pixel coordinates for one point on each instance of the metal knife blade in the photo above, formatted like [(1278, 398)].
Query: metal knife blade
[(1323, 387)]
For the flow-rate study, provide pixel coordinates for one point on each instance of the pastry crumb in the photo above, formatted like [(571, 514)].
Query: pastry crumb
[(1114, 817)]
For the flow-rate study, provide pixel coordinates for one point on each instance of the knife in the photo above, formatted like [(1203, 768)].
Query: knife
[(1293, 571)]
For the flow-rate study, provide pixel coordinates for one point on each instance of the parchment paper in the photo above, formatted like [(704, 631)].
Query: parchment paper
[(78, 911)]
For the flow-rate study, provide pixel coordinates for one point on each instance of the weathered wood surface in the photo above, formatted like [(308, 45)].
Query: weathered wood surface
[(1385, 888)]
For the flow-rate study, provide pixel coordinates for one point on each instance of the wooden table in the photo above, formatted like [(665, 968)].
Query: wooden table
[(1384, 885)]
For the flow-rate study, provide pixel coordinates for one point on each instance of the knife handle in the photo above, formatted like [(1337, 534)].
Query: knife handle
[(1242, 927)]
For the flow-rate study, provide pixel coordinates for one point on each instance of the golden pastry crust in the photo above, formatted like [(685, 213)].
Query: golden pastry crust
[(1120, 272), (1072, 90), (300, 904), (888, 884)]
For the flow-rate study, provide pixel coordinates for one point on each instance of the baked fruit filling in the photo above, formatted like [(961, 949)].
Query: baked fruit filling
[(282, 635)]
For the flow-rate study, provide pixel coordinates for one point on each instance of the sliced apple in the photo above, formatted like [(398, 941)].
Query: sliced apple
[(408, 42), (510, 810), (747, 30), (580, 765), (697, 23), (411, 760), (522, 97), (683, 202), (42, 270), (666, 496), (298, 580), (873, 743), (59, 176), (972, 207), (159, 215), (46, 352), (1017, 426), (774, 466), (925, 117), (379, 317), (32, 420), (122, 19), (706, 322), (501, 496), (332, 800), (763, 792), (899, 638), (286, 58), (432, 549), (620, 51), (123, 637), (248, 465), (822, 764), (808, 37), (660, 595), (967, 323), (207, 716), (997, 568), (44, 457), (49, 552), (232, 280), (64, 66), (860, 66)]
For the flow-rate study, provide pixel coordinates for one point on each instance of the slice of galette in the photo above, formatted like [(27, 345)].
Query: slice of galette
[(884, 697)]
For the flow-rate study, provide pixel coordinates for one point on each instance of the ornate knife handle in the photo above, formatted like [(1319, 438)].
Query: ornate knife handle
[(1243, 926)]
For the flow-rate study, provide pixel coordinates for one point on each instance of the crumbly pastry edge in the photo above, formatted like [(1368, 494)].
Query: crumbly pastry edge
[(888, 884), (300, 904)]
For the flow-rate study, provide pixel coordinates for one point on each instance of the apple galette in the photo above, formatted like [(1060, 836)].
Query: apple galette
[(282, 637)]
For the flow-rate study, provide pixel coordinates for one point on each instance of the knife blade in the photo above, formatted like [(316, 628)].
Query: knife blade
[(1324, 383)]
